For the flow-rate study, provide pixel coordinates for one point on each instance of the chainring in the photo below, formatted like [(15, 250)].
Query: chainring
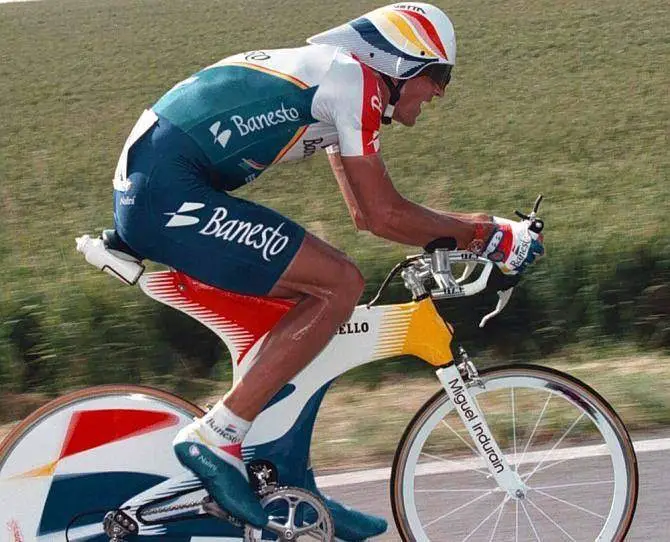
[(286, 505)]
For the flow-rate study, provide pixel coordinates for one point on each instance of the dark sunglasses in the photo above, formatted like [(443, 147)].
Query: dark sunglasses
[(440, 73)]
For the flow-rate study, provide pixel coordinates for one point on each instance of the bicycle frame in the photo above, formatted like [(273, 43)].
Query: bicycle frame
[(282, 432), (99, 456), (277, 448)]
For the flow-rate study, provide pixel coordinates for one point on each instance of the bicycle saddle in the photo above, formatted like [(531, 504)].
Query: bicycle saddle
[(112, 240)]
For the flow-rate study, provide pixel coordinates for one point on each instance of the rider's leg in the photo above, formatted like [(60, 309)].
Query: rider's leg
[(169, 212), (328, 285), (296, 340)]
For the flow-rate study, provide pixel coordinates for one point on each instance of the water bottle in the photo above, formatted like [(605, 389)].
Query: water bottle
[(126, 270)]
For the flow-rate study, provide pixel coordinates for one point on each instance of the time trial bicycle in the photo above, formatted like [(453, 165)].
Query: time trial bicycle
[(513, 452)]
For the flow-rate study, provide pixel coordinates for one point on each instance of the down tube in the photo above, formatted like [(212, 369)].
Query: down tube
[(370, 334)]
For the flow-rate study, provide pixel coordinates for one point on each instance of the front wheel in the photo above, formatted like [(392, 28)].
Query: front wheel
[(564, 440)]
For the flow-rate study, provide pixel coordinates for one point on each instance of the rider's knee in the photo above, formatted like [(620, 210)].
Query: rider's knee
[(350, 284)]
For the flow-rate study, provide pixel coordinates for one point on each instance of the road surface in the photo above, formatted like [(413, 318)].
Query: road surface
[(651, 523)]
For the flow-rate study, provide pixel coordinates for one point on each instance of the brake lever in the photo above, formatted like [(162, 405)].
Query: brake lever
[(503, 298)]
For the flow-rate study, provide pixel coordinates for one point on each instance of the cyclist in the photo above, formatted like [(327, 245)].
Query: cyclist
[(220, 129)]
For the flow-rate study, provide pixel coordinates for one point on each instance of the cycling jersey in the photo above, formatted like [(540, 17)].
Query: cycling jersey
[(220, 129), (252, 110)]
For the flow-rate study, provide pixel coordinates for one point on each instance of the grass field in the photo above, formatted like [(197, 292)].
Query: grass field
[(359, 424), (565, 98)]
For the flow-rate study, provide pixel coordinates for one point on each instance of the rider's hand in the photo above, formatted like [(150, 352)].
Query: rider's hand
[(513, 245)]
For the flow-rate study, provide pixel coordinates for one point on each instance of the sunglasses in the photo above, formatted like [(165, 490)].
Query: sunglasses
[(440, 73)]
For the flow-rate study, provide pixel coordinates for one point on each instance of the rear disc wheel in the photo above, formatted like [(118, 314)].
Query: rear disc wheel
[(86, 452)]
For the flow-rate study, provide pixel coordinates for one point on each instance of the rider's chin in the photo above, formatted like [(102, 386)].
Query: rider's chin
[(406, 120)]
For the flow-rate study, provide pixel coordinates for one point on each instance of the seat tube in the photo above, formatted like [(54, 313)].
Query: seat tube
[(474, 421)]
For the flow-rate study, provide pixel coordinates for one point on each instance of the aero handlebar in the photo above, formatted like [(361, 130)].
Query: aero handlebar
[(435, 266)]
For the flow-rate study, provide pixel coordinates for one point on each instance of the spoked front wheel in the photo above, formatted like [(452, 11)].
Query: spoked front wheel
[(565, 441)]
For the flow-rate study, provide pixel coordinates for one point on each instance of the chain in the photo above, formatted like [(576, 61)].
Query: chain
[(176, 507), (172, 508), (165, 510)]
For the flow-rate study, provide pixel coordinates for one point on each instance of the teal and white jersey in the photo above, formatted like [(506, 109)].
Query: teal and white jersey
[(255, 109)]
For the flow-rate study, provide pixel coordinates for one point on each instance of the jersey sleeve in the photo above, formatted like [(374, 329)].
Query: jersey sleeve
[(350, 98)]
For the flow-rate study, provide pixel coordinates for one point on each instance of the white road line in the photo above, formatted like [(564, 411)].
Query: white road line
[(438, 467)]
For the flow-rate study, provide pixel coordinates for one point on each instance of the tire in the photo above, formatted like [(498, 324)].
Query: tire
[(84, 452), (428, 508)]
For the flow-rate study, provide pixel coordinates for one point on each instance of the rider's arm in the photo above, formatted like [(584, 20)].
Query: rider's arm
[(343, 182), (350, 99), (377, 206)]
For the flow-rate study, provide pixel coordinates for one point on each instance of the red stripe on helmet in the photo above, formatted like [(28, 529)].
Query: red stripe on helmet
[(428, 28)]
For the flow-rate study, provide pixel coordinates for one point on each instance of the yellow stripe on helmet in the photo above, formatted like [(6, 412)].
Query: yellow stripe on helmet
[(410, 36)]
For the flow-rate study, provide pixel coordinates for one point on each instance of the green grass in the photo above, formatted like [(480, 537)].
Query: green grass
[(565, 98), (360, 426), (364, 425)]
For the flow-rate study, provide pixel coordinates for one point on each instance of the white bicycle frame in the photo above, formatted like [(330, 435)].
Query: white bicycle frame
[(372, 333), (281, 435)]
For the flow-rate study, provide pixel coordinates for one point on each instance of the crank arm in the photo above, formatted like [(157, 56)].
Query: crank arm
[(213, 509)]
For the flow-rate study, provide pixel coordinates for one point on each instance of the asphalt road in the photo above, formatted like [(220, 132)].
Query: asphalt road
[(651, 522)]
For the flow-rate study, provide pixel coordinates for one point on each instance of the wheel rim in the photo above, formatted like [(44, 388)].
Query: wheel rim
[(438, 488)]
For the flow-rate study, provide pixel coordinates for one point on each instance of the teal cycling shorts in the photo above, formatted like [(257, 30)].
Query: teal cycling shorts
[(172, 212)]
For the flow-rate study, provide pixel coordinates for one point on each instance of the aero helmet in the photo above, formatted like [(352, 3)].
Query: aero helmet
[(399, 41)]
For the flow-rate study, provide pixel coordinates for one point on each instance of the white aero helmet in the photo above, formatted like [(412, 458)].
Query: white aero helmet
[(399, 41)]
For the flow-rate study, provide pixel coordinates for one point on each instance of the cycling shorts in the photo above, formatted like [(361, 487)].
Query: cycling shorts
[(169, 211)]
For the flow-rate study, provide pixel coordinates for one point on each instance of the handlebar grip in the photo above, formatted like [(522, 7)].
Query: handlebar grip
[(449, 243)]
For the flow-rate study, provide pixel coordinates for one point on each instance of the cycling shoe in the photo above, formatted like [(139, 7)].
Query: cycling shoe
[(223, 474), (350, 524)]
